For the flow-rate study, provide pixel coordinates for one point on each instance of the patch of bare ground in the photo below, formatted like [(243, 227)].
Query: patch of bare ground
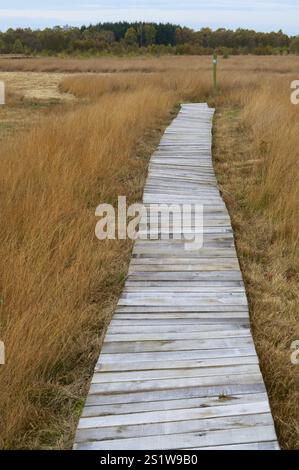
[(29, 96)]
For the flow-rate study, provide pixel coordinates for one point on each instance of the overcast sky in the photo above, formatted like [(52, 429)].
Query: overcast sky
[(262, 15)]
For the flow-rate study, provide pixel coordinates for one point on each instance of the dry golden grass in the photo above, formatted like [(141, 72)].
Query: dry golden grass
[(59, 284), (256, 156), (183, 86), (235, 64)]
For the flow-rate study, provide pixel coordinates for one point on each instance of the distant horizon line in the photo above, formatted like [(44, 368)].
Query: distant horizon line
[(69, 26)]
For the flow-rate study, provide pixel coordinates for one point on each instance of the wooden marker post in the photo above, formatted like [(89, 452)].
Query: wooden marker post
[(215, 70), (2, 93)]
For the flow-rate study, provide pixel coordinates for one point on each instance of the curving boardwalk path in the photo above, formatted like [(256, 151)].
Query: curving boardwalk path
[(178, 368)]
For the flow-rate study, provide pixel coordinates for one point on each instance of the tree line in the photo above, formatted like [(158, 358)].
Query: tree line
[(156, 38)]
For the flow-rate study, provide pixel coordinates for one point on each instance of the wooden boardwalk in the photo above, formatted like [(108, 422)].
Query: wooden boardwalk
[(178, 368)]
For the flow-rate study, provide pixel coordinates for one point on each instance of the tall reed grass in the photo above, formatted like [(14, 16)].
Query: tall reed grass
[(58, 284)]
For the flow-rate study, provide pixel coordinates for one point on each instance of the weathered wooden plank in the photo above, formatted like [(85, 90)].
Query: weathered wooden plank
[(178, 261), (269, 445), (197, 335), (199, 426), (115, 329), (176, 345), (216, 310), (180, 322), (247, 350), (229, 275), (211, 266), (174, 415), (180, 318), (175, 364), (170, 290), (162, 374), (162, 405), (177, 355), (174, 394), (168, 384), (182, 301), (244, 435), (119, 432), (131, 283)]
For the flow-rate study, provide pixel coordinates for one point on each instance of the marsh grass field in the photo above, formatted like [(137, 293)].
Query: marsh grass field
[(91, 143)]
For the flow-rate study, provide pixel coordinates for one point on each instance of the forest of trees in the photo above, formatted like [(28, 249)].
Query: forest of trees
[(123, 38)]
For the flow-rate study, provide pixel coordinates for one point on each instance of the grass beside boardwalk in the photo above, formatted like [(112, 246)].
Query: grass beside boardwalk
[(269, 266), (59, 285)]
